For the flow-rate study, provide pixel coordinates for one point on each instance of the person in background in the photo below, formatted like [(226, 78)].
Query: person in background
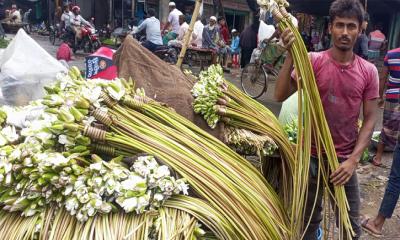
[(57, 15), (182, 31), (361, 47), (224, 30), (391, 128), (173, 23), (197, 35), (153, 33), (391, 115), (77, 21), (376, 43), (66, 18), (212, 40), (188, 14), (234, 49), (346, 84), (248, 42), (64, 52), (15, 14)]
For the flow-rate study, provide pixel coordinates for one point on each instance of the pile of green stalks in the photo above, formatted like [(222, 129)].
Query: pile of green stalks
[(218, 100), (230, 196), (313, 127)]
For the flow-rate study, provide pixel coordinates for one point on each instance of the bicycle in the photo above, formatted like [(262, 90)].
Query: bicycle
[(255, 76)]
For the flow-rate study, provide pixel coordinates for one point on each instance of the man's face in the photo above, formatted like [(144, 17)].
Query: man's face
[(171, 8), (344, 32), (181, 19), (212, 22), (222, 22)]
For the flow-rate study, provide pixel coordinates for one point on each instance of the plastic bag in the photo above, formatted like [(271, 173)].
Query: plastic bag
[(25, 69)]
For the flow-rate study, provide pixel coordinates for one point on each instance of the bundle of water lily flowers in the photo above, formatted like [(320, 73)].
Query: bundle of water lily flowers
[(52, 173)]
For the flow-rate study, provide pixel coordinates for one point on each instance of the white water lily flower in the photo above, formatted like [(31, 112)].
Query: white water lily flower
[(3, 140), (96, 166), (143, 202), (15, 154), (128, 204), (105, 207), (182, 187), (82, 216), (93, 95), (10, 133), (88, 121), (134, 183), (116, 90), (158, 197), (68, 190), (65, 140), (162, 172), (7, 167)]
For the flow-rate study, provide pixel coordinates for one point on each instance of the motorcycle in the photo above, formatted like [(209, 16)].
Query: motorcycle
[(89, 41)]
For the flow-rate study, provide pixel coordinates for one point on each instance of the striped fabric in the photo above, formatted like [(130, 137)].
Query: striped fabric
[(392, 61), (376, 39)]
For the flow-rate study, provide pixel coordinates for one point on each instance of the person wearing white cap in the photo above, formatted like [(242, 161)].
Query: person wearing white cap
[(234, 49), (173, 22), (212, 39)]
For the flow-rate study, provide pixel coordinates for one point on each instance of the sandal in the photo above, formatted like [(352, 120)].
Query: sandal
[(364, 225)]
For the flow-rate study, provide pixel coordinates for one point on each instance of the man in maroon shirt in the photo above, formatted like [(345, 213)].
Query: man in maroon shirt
[(345, 83)]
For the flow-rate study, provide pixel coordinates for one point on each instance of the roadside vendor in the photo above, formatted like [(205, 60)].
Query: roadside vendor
[(347, 84), (212, 39), (15, 14)]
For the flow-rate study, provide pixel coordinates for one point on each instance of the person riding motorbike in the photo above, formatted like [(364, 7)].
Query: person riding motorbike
[(153, 33), (77, 21)]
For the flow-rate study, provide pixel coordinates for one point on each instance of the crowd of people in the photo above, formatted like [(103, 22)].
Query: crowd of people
[(214, 36)]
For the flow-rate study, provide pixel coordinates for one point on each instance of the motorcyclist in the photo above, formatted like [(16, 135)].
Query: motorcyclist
[(77, 21), (153, 32)]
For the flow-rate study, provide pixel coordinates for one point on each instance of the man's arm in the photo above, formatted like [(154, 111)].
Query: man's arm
[(84, 21), (141, 26), (168, 24), (284, 85), (346, 169)]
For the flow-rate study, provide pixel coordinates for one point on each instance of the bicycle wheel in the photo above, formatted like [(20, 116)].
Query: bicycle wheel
[(253, 80)]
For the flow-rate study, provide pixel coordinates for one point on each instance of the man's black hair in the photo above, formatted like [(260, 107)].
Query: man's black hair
[(348, 9), (366, 17), (151, 12)]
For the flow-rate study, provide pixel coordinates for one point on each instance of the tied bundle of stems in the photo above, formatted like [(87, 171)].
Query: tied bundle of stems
[(312, 124), (218, 100)]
